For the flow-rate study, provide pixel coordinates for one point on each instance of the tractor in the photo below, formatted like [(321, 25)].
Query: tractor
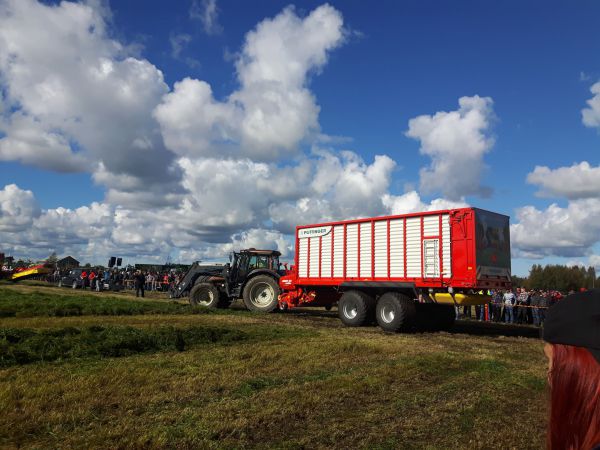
[(251, 274)]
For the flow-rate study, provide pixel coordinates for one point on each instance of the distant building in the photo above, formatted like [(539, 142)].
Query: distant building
[(67, 263)]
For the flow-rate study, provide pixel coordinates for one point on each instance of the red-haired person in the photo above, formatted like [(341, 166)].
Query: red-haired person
[(572, 333)]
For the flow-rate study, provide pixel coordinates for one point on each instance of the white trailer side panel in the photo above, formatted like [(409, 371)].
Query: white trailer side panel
[(326, 242), (366, 263), (303, 258), (413, 247), (431, 226), (338, 251), (352, 250), (314, 262), (397, 248), (447, 266), (381, 249)]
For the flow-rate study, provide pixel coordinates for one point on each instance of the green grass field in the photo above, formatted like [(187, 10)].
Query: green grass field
[(89, 370)]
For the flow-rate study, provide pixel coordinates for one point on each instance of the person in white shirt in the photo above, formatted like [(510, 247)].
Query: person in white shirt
[(509, 301)]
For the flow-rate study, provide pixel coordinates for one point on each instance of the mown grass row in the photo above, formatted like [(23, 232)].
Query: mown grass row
[(55, 304), (25, 345)]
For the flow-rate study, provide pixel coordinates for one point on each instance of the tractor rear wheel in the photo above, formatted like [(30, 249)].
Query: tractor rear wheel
[(261, 294), (355, 308), (205, 294), (395, 312)]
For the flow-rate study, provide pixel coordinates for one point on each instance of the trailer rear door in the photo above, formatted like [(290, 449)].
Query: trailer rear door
[(492, 245)]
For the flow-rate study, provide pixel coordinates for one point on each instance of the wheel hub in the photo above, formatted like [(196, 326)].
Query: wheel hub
[(387, 314), (208, 298), (350, 311), (262, 295)]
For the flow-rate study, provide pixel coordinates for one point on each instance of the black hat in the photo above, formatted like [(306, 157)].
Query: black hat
[(575, 320)]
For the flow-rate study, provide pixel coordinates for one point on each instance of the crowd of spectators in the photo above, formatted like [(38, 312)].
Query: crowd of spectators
[(124, 278), (521, 306)]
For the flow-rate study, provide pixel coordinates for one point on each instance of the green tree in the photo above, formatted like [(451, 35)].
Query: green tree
[(52, 259)]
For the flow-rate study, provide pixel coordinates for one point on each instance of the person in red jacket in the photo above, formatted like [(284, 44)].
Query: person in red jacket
[(84, 279), (92, 278)]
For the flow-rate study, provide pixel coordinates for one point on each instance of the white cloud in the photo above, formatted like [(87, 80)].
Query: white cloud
[(178, 43), (272, 111), (77, 98), (411, 202), (195, 124), (33, 143), (575, 263), (340, 187), (207, 12), (591, 114), (455, 140), (569, 231), (18, 209), (574, 182)]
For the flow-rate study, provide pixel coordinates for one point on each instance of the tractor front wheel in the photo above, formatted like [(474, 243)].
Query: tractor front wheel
[(205, 294)]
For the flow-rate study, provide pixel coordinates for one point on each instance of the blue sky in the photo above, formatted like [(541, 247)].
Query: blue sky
[(536, 61)]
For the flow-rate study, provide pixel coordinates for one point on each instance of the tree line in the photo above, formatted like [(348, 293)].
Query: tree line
[(559, 278)]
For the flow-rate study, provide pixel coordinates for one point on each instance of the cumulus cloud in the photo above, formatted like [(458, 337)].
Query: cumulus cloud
[(338, 187), (273, 110), (207, 12), (411, 202), (77, 98), (18, 209), (577, 181), (591, 114), (454, 141), (95, 231), (570, 231)]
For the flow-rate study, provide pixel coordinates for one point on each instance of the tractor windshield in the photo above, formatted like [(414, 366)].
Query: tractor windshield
[(258, 262), (263, 262)]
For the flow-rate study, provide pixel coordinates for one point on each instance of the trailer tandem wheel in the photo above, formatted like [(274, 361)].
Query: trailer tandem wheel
[(356, 308), (395, 312)]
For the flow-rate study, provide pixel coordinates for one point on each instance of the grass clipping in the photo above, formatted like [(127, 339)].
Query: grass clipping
[(50, 304), (25, 345)]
